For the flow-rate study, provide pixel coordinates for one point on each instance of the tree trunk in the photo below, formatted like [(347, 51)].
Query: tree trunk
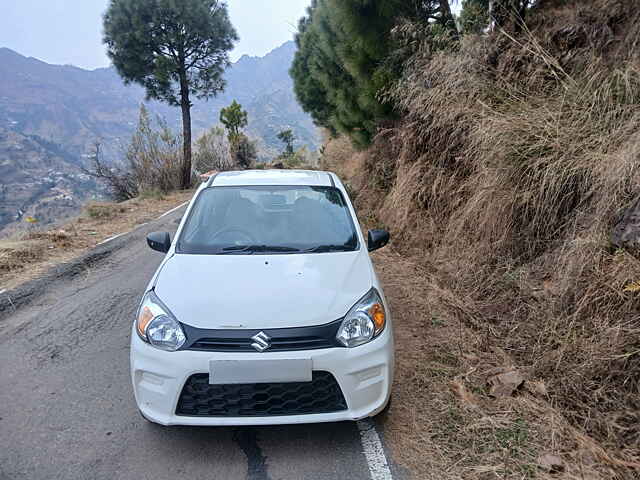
[(185, 104), (447, 18)]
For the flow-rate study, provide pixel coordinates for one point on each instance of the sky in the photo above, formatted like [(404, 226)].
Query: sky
[(70, 31)]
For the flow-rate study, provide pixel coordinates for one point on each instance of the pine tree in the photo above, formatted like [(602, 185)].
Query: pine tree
[(341, 67), (305, 70), (234, 118), (175, 49), (287, 137)]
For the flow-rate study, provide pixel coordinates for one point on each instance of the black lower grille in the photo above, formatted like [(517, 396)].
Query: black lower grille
[(200, 399)]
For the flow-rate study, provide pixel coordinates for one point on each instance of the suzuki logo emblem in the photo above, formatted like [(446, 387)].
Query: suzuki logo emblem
[(262, 341)]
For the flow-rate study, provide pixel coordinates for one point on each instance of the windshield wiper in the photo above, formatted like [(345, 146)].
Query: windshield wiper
[(249, 249), (329, 248)]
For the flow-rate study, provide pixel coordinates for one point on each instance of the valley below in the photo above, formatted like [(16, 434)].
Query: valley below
[(39, 186)]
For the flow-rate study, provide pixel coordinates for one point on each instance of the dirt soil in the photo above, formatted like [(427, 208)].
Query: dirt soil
[(30, 253)]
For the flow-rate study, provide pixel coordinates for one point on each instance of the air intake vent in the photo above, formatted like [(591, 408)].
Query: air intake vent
[(200, 399)]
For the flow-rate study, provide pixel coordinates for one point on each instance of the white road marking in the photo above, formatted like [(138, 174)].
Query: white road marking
[(173, 210), (112, 238), (141, 225), (373, 451)]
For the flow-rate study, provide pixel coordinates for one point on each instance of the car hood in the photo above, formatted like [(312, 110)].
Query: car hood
[(263, 291)]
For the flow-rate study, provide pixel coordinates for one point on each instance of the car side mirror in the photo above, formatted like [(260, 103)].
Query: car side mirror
[(377, 239), (159, 241)]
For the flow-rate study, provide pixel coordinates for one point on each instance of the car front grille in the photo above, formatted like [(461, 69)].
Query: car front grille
[(200, 399), (277, 344), (280, 339)]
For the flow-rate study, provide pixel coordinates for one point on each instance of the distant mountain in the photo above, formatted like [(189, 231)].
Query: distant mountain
[(265, 89), (50, 116), (72, 107), (263, 86)]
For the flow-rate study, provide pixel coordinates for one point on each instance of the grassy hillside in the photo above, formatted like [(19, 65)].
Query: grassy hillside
[(513, 158)]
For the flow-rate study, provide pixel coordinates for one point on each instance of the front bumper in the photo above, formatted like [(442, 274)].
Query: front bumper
[(364, 373)]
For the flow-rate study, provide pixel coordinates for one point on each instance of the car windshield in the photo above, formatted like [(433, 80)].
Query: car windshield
[(268, 219)]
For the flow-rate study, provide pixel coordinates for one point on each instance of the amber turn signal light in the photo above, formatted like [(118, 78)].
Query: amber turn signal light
[(376, 312), (143, 321)]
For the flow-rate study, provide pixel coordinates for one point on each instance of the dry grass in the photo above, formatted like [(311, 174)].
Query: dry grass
[(28, 254), (105, 210), (513, 161), (443, 424), (15, 254)]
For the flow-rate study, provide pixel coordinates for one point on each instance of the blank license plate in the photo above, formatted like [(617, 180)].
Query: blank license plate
[(224, 372)]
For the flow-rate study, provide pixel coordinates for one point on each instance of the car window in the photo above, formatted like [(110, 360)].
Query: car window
[(268, 219)]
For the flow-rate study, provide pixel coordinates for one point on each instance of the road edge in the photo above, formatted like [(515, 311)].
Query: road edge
[(13, 299)]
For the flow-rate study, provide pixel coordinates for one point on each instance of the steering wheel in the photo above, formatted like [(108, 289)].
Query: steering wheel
[(243, 233)]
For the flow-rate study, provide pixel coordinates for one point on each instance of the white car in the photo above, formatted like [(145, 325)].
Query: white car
[(266, 308)]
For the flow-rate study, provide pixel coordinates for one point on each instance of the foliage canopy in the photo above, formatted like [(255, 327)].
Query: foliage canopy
[(348, 56), (287, 137), (341, 65), (234, 118)]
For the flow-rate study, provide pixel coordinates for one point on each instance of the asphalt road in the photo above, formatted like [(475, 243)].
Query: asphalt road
[(66, 403)]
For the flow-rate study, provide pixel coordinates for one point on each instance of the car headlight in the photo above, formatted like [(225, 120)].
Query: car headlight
[(156, 325), (365, 321)]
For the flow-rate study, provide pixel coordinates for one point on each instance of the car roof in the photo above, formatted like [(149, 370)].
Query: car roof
[(273, 177)]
